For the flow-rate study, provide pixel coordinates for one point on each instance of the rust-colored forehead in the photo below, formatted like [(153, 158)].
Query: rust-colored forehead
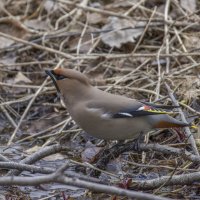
[(72, 74), (59, 71), (66, 72)]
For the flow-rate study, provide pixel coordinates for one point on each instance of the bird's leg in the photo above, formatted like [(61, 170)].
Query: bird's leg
[(138, 141), (58, 97), (120, 142)]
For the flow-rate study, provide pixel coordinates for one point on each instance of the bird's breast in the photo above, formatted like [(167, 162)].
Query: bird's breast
[(108, 128)]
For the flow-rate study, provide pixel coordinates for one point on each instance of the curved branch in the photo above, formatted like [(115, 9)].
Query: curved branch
[(184, 179), (60, 178), (44, 152), (187, 130)]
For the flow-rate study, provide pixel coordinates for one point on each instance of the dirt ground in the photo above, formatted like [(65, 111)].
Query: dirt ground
[(135, 48)]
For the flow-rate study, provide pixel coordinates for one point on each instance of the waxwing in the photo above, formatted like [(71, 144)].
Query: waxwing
[(105, 115)]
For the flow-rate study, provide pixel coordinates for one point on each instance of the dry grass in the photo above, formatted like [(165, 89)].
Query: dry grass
[(44, 34)]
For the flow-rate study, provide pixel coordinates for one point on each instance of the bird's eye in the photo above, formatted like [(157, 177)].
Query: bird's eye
[(55, 76), (60, 77)]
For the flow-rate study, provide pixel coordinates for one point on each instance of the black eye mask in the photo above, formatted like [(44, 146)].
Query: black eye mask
[(54, 77)]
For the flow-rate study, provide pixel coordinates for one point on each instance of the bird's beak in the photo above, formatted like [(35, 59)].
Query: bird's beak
[(53, 77)]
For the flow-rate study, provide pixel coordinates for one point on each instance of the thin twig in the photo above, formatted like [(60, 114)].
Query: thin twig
[(60, 178), (167, 5), (37, 46), (187, 130), (26, 111)]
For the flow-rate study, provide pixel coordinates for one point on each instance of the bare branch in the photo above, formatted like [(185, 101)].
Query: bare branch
[(184, 179), (187, 130), (170, 150), (44, 152), (60, 178)]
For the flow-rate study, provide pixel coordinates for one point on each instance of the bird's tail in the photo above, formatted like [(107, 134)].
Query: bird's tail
[(166, 121)]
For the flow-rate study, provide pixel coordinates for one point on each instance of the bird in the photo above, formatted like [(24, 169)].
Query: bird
[(105, 115)]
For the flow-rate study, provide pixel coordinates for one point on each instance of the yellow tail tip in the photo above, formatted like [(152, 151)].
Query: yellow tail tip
[(194, 127), (160, 112)]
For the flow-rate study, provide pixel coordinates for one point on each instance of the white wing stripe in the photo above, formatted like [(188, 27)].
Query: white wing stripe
[(140, 108), (125, 114), (99, 112)]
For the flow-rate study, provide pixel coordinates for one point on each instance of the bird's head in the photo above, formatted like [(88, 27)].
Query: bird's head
[(69, 82)]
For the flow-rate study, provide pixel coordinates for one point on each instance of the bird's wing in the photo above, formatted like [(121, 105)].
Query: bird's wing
[(167, 107), (118, 110), (143, 110)]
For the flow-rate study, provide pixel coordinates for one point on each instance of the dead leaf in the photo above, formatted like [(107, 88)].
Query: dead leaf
[(33, 149), (114, 166), (21, 78), (95, 18), (37, 24), (10, 60), (13, 28), (191, 42), (189, 88), (50, 5), (89, 154), (85, 45), (189, 5), (116, 37), (37, 125), (197, 135), (55, 157)]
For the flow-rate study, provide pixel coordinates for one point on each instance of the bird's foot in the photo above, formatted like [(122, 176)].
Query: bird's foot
[(138, 141), (137, 145)]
